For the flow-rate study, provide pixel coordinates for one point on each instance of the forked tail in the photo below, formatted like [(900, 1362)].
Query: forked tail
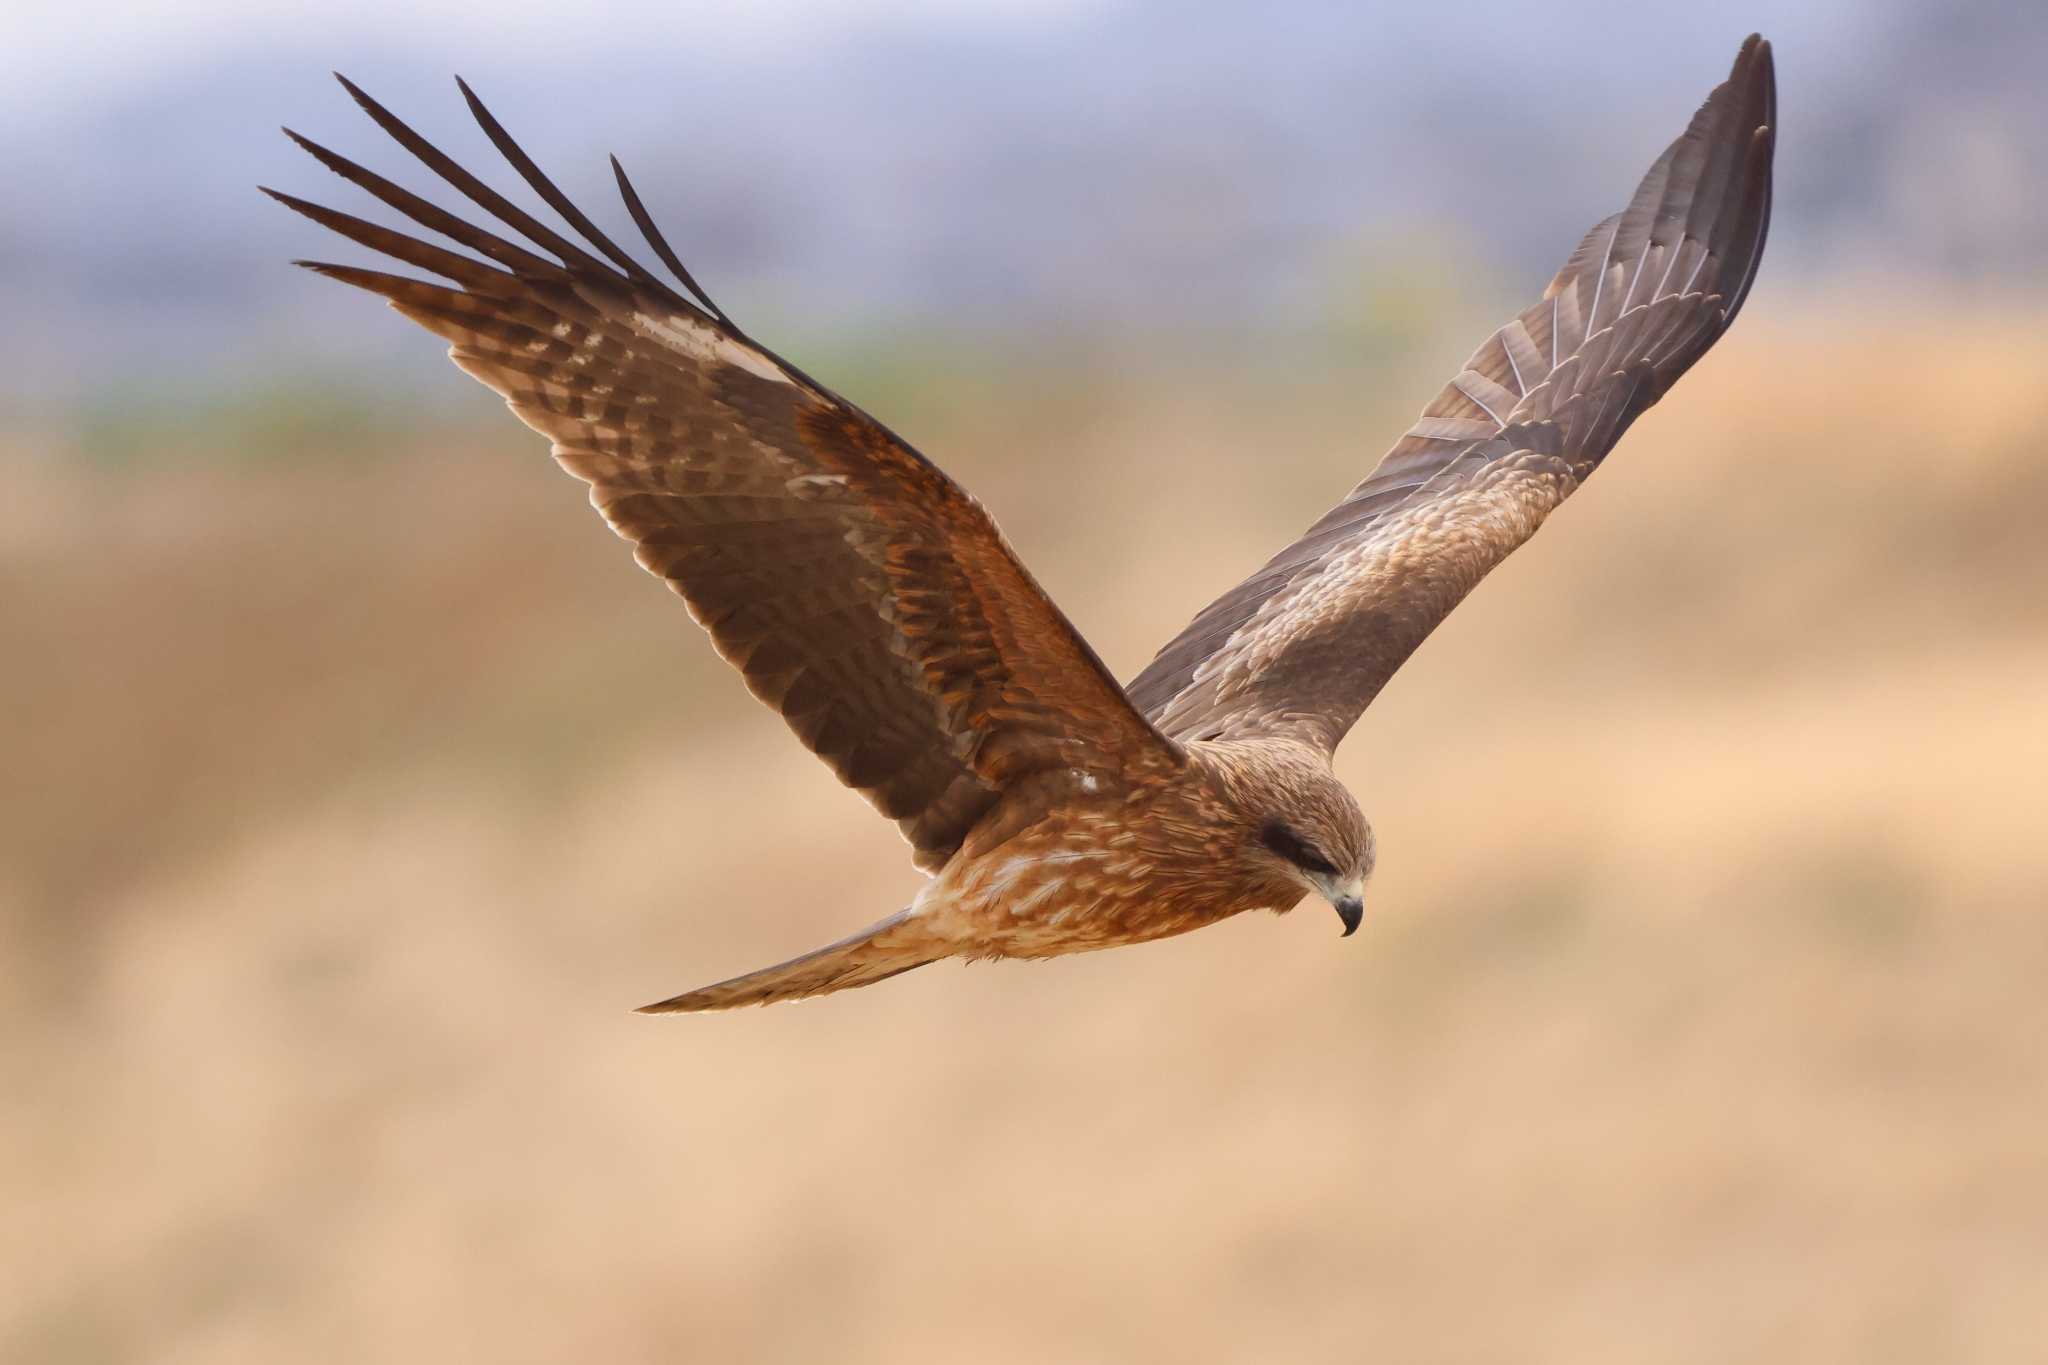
[(876, 953)]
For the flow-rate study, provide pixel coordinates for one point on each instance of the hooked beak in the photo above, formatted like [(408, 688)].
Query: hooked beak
[(1346, 897), (1350, 909)]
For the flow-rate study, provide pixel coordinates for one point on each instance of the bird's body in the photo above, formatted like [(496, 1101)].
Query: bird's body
[(1077, 860), (1097, 861), (865, 596)]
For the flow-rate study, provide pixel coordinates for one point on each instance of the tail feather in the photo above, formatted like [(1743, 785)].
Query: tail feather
[(876, 953)]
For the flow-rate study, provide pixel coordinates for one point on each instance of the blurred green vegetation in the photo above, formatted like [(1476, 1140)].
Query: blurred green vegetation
[(296, 418)]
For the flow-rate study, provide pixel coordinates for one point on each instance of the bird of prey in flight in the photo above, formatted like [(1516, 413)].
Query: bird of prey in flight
[(873, 603)]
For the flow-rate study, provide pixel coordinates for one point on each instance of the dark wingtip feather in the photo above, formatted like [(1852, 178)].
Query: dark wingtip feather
[(1745, 217), (429, 215), (335, 270), (645, 222), (356, 92), (292, 201), (491, 201), (332, 270), (334, 161), (473, 274), (303, 207), (1755, 225), (362, 98), (376, 281), (476, 191), (437, 308), (550, 193)]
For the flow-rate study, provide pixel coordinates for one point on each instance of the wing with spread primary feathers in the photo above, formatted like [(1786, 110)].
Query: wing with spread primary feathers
[(860, 591), (1304, 644)]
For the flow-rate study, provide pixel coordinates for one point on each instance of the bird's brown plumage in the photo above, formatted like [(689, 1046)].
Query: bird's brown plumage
[(857, 588), (874, 604), (1304, 644)]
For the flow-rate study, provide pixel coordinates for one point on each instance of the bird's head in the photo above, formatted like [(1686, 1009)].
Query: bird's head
[(1311, 832)]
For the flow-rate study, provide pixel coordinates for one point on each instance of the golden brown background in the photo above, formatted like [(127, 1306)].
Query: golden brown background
[(359, 784)]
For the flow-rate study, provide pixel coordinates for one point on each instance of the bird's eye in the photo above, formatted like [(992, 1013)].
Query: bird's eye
[(1288, 845)]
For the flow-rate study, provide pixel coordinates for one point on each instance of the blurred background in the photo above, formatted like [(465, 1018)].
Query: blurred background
[(358, 784)]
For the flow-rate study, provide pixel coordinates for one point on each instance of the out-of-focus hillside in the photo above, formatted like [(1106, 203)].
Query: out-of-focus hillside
[(361, 785)]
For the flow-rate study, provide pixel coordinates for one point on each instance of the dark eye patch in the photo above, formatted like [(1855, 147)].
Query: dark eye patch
[(1285, 843)]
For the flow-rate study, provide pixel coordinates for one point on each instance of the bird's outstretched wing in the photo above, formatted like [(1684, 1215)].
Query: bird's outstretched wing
[(860, 591), (1303, 645)]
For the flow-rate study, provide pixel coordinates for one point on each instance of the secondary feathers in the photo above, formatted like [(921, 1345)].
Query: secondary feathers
[(1304, 644)]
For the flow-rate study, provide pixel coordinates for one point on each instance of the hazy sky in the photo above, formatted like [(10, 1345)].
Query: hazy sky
[(63, 53), (976, 163), (51, 52)]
